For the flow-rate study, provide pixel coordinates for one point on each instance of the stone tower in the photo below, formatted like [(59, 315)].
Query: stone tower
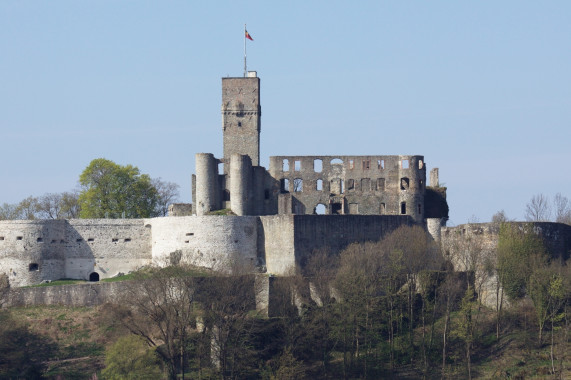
[(241, 118)]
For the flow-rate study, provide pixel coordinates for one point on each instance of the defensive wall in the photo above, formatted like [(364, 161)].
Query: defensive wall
[(47, 250), (473, 246)]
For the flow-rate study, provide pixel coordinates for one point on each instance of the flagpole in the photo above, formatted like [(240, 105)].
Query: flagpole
[(245, 50)]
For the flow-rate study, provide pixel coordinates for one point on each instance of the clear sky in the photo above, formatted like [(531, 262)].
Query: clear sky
[(482, 89)]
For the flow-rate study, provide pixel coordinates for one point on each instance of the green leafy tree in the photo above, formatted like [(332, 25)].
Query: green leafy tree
[(114, 191), (518, 247), (131, 358)]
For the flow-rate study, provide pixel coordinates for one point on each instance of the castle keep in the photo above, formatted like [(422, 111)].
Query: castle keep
[(273, 219)]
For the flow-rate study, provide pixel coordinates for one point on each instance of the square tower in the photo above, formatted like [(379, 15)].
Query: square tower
[(241, 117)]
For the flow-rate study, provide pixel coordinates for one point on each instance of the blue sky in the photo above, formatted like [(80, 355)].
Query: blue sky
[(481, 89)]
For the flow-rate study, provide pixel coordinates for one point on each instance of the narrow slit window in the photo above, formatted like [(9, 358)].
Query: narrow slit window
[(403, 208)]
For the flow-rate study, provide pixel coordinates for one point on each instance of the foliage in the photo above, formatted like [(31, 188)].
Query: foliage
[(131, 358), (110, 190), (519, 247), (435, 202)]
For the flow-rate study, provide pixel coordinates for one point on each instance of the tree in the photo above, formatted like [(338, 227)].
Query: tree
[(537, 209), (110, 190), (8, 211), (131, 358), (28, 208), (500, 217), (159, 305), (167, 192), (562, 209)]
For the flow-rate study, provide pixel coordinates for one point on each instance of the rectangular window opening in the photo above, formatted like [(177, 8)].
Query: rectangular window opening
[(297, 166), (403, 208), (404, 164), (317, 165), (90, 239), (34, 267), (319, 185), (382, 210), (285, 165), (380, 164), (350, 184), (114, 240), (366, 164), (19, 237), (127, 240), (351, 164), (40, 240)]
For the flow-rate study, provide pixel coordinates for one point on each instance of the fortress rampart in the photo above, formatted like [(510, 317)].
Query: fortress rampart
[(36, 251)]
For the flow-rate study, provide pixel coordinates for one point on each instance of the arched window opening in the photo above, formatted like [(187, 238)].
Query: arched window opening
[(94, 277), (319, 185), (285, 185), (297, 185), (320, 209), (317, 165), (336, 161)]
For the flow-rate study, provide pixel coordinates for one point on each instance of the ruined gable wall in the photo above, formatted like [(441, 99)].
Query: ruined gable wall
[(366, 185), (217, 242)]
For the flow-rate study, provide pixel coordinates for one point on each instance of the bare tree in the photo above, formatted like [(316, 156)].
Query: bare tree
[(28, 208), (168, 193), (160, 307), (9, 211), (500, 217), (562, 209), (538, 209), (49, 206)]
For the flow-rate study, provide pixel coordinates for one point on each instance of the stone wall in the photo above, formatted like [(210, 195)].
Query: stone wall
[(217, 242), (334, 233), (474, 246), (365, 185)]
